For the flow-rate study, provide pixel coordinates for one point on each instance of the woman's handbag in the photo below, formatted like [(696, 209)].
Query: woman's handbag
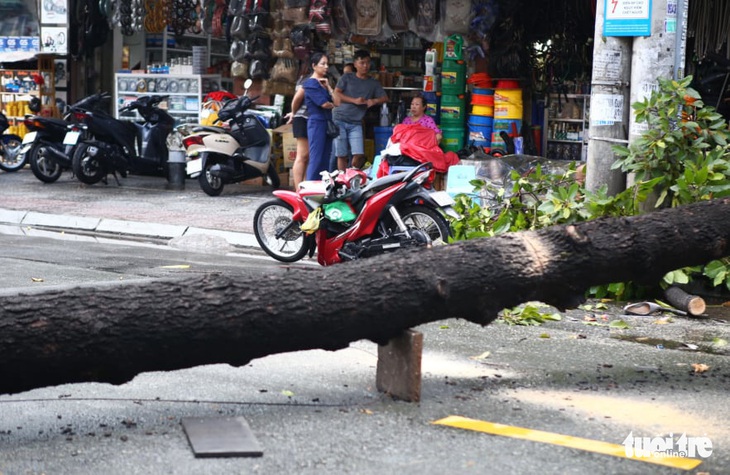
[(333, 130)]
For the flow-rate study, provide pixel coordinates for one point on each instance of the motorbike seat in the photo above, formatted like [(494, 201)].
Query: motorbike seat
[(209, 128), (375, 186)]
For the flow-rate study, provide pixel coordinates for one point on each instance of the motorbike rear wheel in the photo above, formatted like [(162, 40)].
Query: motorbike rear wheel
[(272, 218), (211, 185), (44, 167), (11, 159), (427, 220), (87, 168)]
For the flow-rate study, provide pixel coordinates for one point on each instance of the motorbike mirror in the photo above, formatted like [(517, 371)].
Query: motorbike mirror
[(247, 84)]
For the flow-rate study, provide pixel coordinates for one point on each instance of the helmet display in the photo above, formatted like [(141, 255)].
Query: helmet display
[(34, 104)]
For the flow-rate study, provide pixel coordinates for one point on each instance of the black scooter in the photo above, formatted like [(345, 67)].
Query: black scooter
[(120, 146), (43, 146)]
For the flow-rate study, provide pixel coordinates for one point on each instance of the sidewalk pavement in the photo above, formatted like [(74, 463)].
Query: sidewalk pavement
[(142, 207)]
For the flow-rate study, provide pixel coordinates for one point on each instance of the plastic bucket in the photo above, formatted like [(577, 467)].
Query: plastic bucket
[(508, 104), (481, 120), (482, 100), (453, 138), (453, 47), (382, 134), (511, 126), (487, 111), (433, 105), (508, 84), (453, 77), (480, 135), (453, 111)]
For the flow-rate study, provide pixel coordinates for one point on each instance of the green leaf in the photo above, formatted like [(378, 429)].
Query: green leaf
[(618, 324)]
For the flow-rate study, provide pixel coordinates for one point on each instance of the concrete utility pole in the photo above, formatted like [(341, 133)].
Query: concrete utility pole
[(609, 116), (653, 57), (626, 69)]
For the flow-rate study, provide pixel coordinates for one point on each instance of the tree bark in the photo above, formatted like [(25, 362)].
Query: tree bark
[(111, 333)]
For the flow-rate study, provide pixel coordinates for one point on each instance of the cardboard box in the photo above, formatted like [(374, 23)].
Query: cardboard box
[(288, 144), (289, 149)]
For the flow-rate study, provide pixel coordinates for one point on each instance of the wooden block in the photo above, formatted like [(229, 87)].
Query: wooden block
[(399, 366)]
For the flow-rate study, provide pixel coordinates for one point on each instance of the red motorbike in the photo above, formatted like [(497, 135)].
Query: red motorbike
[(343, 217)]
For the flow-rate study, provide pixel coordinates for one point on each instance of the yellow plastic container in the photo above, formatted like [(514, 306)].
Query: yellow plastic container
[(508, 104)]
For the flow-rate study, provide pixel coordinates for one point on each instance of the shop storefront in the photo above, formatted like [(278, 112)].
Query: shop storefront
[(510, 77)]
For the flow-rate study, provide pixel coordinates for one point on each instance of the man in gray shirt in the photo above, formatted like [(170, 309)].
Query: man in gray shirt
[(354, 94)]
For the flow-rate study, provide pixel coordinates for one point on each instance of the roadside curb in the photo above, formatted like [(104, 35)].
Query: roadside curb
[(27, 221)]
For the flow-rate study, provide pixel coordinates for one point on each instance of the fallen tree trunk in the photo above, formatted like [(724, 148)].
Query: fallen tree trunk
[(112, 333)]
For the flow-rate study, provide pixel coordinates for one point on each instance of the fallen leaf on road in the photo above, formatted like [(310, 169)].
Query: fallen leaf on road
[(36, 279), (589, 318), (700, 368), (366, 411), (287, 393), (662, 321), (619, 324), (483, 356)]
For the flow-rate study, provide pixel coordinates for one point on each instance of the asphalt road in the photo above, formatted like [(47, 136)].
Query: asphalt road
[(319, 411)]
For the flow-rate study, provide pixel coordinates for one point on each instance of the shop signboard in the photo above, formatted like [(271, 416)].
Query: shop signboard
[(627, 18)]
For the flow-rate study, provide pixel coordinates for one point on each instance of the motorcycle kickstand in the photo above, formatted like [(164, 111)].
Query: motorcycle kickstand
[(401, 225)]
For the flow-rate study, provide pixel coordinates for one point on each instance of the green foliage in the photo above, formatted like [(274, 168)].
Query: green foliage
[(528, 315), (683, 157)]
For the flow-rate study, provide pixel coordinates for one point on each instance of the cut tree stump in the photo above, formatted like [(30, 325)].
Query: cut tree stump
[(692, 304), (110, 333)]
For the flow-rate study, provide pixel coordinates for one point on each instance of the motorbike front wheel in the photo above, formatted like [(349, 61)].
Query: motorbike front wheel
[(11, 160), (44, 167), (427, 220), (211, 185), (275, 217), (87, 168)]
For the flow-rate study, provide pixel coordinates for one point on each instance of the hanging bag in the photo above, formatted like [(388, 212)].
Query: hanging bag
[(333, 130), (369, 19)]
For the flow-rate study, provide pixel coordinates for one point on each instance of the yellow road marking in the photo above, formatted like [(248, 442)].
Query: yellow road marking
[(589, 445), (178, 266)]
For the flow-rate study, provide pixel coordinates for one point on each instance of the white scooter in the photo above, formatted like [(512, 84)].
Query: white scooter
[(218, 156)]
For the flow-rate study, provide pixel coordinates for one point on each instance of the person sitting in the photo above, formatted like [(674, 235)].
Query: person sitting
[(418, 116)]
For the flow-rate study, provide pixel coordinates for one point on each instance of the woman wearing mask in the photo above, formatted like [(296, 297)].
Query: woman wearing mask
[(319, 102), (418, 116)]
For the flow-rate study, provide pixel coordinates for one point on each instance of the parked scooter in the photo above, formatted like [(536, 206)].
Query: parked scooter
[(10, 159), (351, 221), (122, 146), (43, 146), (218, 156)]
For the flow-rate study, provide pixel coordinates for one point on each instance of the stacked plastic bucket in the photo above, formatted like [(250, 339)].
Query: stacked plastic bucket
[(507, 111), (481, 119), (453, 99)]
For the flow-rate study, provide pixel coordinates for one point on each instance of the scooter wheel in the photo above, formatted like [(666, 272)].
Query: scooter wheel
[(273, 218), (87, 168), (11, 160), (210, 184), (45, 168)]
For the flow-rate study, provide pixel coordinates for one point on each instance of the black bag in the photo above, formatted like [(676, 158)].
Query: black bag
[(333, 130)]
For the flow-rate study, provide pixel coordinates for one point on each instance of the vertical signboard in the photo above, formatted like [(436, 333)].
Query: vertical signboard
[(627, 18)]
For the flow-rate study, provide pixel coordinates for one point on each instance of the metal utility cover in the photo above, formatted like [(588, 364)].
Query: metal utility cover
[(221, 437)]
